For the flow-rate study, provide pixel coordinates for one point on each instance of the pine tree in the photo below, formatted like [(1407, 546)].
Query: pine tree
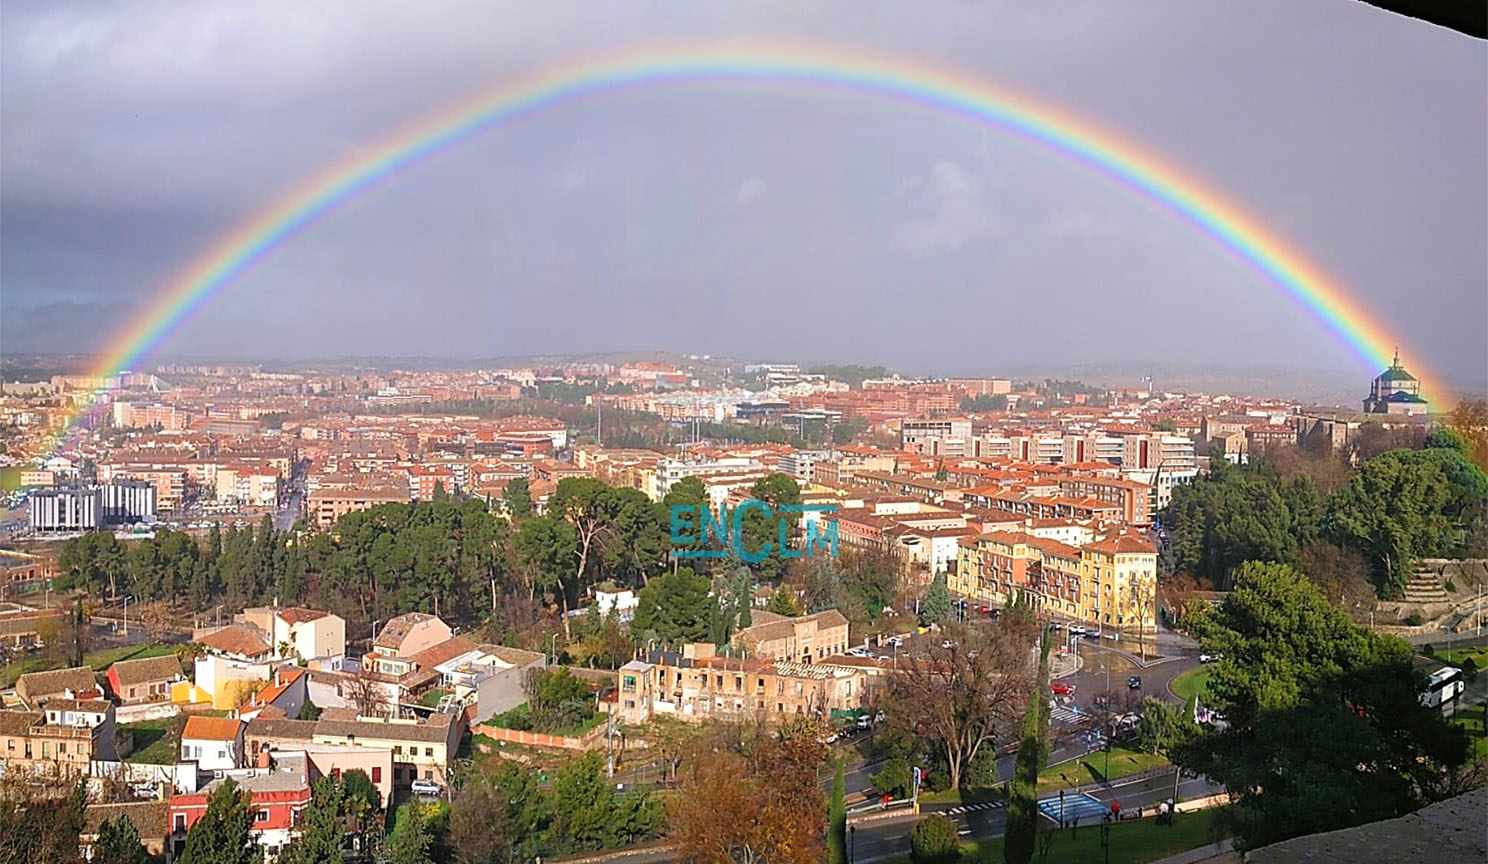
[(837, 820), (221, 835), (321, 826), (937, 607), (119, 843), (1021, 834)]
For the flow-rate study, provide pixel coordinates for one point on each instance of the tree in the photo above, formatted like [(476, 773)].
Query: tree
[(776, 490), (321, 826), (837, 819), (518, 498), (119, 842), (586, 504), (1393, 510), (478, 829), (557, 700), (1324, 727), (1240, 514), (674, 607), (411, 839), (221, 835), (544, 547), (364, 691), (894, 778), (937, 606), (783, 602), (935, 840), (361, 803), (40, 819), (958, 696), (773, 780), (1033, 751), (1165, 727), (1470, 422)]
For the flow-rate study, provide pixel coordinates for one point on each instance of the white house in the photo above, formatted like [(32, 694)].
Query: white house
[(213, 743), (307, 633)]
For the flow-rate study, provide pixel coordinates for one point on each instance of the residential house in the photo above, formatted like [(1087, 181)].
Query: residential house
[(214, 743), (145, 680), (279, 791), (410, 633), (305, 633), (151, 821), (34, 688), (422, 748), (286, 693), (64, 739)]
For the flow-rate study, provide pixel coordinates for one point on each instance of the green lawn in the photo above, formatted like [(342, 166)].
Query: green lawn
[(962, 796), (516, 718), (1132, 842), (1091, 768), (1458, 656), (1191, 683), (96, 660), (431, 698), (1472, 721), (154, 742)]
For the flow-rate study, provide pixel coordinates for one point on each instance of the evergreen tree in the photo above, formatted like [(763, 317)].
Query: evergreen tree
[(837, 820), (937, 606), (1022, 810), (119, 843), (783, 602), (411, 840), (221, 835), (320, 826)]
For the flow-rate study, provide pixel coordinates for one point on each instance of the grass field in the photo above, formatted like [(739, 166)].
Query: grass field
[(1458, 656), (1091, 768), (1472, 721), (1191, 683), (98, 661), (1132, 842), (154, 742)]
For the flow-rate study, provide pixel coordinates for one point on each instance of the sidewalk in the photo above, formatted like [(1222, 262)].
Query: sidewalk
[(1224, 850)]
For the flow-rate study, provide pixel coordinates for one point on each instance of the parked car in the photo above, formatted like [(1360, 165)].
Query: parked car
[(864, 721), (1055, 625), (1114, 636), (896, 641), (145, 790), (946, 644), (1059, 688), (1077, 629), (1208, 658), (426, 787), (1134, 682)]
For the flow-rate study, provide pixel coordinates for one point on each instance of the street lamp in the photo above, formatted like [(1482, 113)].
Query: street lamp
[(1105, 831), (852, 837)]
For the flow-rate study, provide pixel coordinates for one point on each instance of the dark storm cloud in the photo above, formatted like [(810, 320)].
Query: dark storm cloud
[(754, 220)]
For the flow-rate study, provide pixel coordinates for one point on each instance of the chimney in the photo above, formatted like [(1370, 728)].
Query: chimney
[(264, 759)]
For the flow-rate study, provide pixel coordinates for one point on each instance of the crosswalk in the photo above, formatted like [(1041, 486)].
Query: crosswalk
[(973, 808), (1086, 808), (1066, 715)]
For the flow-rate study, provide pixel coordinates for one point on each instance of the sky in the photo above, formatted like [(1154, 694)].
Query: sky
[(761, 220)]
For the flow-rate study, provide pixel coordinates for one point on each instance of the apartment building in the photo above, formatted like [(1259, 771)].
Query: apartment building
[(1109, 581), (21, 572), (325, 506)]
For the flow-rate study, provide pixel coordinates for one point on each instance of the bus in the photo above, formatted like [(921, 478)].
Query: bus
[(1443, 686)]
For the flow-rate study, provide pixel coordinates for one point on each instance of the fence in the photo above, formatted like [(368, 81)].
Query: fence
[(588, 741)]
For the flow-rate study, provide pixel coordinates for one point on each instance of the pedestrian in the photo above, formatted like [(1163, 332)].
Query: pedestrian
[(1116, 810), (1162, 812)]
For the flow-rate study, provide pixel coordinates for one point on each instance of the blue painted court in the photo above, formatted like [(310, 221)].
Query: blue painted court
[(1083, 807)]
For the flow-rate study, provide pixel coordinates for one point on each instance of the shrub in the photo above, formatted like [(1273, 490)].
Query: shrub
[(1452, 585), (1413, 620), (934, 841), (1429, 650), (1470, 669)]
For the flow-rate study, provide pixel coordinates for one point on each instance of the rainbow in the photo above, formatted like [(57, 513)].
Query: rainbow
[(809, 66)]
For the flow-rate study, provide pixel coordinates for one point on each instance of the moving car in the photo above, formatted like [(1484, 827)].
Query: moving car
[(1059, 688), (1134, 682), (1077, 629)]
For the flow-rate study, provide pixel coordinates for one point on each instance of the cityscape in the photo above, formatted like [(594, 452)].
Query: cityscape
[(477, 492)]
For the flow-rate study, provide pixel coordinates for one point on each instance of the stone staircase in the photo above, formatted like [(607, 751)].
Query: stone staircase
[(1425, 588)]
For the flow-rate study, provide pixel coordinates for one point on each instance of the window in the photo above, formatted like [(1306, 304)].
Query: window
[(180, 822), (62, 748), (429, 752), (397, 749), (376, 773)]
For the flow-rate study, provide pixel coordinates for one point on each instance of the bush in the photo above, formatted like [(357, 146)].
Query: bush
[(1413, 620), (1429, 650), (1452, 585), (1470, 669), (934, 841)]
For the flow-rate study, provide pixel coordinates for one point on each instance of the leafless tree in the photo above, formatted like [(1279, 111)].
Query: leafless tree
[(959, 692), (364, 690)]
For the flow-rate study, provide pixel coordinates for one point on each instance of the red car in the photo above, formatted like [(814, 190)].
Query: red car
[(1061, 689)]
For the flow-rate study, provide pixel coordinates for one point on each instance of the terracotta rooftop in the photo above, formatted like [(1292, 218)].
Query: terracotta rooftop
[(34, 685), (236, 639), (150, 818), (200, 728), (299, 615)]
